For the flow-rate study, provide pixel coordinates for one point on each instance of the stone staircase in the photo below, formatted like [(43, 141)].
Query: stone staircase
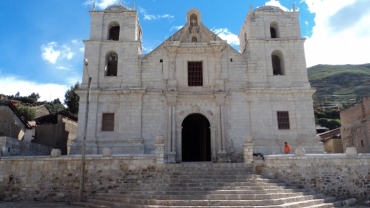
[(210, 185)]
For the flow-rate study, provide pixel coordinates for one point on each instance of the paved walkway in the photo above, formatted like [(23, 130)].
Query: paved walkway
[(36, 204)]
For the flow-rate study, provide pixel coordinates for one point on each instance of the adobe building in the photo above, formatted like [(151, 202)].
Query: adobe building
[(204, 97), (332, 141), (56, 130), (355, 129)]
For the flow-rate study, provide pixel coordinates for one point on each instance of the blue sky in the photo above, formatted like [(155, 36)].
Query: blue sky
[(42, 48)]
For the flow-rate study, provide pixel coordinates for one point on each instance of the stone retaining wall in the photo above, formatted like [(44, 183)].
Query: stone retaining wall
[(57, 179), (339, 175)]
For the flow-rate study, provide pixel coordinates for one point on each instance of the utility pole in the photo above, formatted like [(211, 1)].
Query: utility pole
[(82, 175)]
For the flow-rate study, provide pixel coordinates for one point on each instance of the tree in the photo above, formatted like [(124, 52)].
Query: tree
[(27, 112), (36, 96), (17, 94), (72, 99)]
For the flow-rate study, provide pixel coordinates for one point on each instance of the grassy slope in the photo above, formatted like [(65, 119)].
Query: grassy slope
[(339, 83)]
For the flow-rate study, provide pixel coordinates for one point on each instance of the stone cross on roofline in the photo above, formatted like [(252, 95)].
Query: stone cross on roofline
[(193, 21)]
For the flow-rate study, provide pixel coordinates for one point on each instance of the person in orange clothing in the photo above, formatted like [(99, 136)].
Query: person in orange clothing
[(286, 148)]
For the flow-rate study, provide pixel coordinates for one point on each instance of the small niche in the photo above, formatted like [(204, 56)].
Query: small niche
[(160, 60), (231, 60)]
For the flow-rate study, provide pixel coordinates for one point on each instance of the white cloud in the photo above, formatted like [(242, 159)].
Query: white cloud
[(225, 34), (47, 91), (74, 41), (176, 27), (153, 17), (101, 4), (341, 34), (62, 67), (51, 52), (82, 49), (277, 4)]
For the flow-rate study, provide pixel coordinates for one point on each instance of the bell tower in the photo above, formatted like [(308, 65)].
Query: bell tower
[(271, 38), (113, 48)]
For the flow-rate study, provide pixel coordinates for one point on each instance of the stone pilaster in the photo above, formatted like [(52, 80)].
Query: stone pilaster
[(171, 142), (218, 47), (172, 47), (222, 153)]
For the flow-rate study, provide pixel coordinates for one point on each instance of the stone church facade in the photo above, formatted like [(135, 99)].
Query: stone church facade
[(205, 98)]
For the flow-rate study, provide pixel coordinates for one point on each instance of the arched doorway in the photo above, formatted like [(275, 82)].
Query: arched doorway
[(196, 141)]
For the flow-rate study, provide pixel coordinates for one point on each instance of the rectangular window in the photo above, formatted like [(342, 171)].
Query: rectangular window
[(108, 122), (195, 73), (283, 120)]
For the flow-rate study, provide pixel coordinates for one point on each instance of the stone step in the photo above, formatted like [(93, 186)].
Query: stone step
[(197, 180), (292, 205), (191, 182), (180, 171), (213, 184), (213, 176), (293, 202), (208, 185), (204, 165), (208, 188), (262, 191), (202, 197)]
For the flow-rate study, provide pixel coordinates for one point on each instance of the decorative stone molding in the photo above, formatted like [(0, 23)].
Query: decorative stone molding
[(351, 151), (159, 139), (159, 151), (248, 152), (107, 152), (171, 98), (248, 139), (171, 157), (299, 151), (222, 156), (196, 109), (55, 153)]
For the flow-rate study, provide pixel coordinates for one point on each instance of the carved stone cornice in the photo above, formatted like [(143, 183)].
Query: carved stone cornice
[(171, 46), (171, 98)]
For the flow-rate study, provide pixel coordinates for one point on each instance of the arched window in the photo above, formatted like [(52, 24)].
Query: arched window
[(113, 31), (111, 66), (277, 63), (194, 39), (274, 32)]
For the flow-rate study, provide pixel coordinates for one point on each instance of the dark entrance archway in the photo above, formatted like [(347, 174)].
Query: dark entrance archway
[(196, 139)]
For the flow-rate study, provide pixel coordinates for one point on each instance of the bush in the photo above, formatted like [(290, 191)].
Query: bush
[(329, 123), (27, 112), (28, 100)]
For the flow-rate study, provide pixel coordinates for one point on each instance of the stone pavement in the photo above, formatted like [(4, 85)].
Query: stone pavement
[(36, 204)]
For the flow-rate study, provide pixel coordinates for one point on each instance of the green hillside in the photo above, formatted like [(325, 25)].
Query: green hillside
[(340, 83)]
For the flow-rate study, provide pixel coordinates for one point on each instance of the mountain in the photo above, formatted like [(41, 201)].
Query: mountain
[(340, 84)]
